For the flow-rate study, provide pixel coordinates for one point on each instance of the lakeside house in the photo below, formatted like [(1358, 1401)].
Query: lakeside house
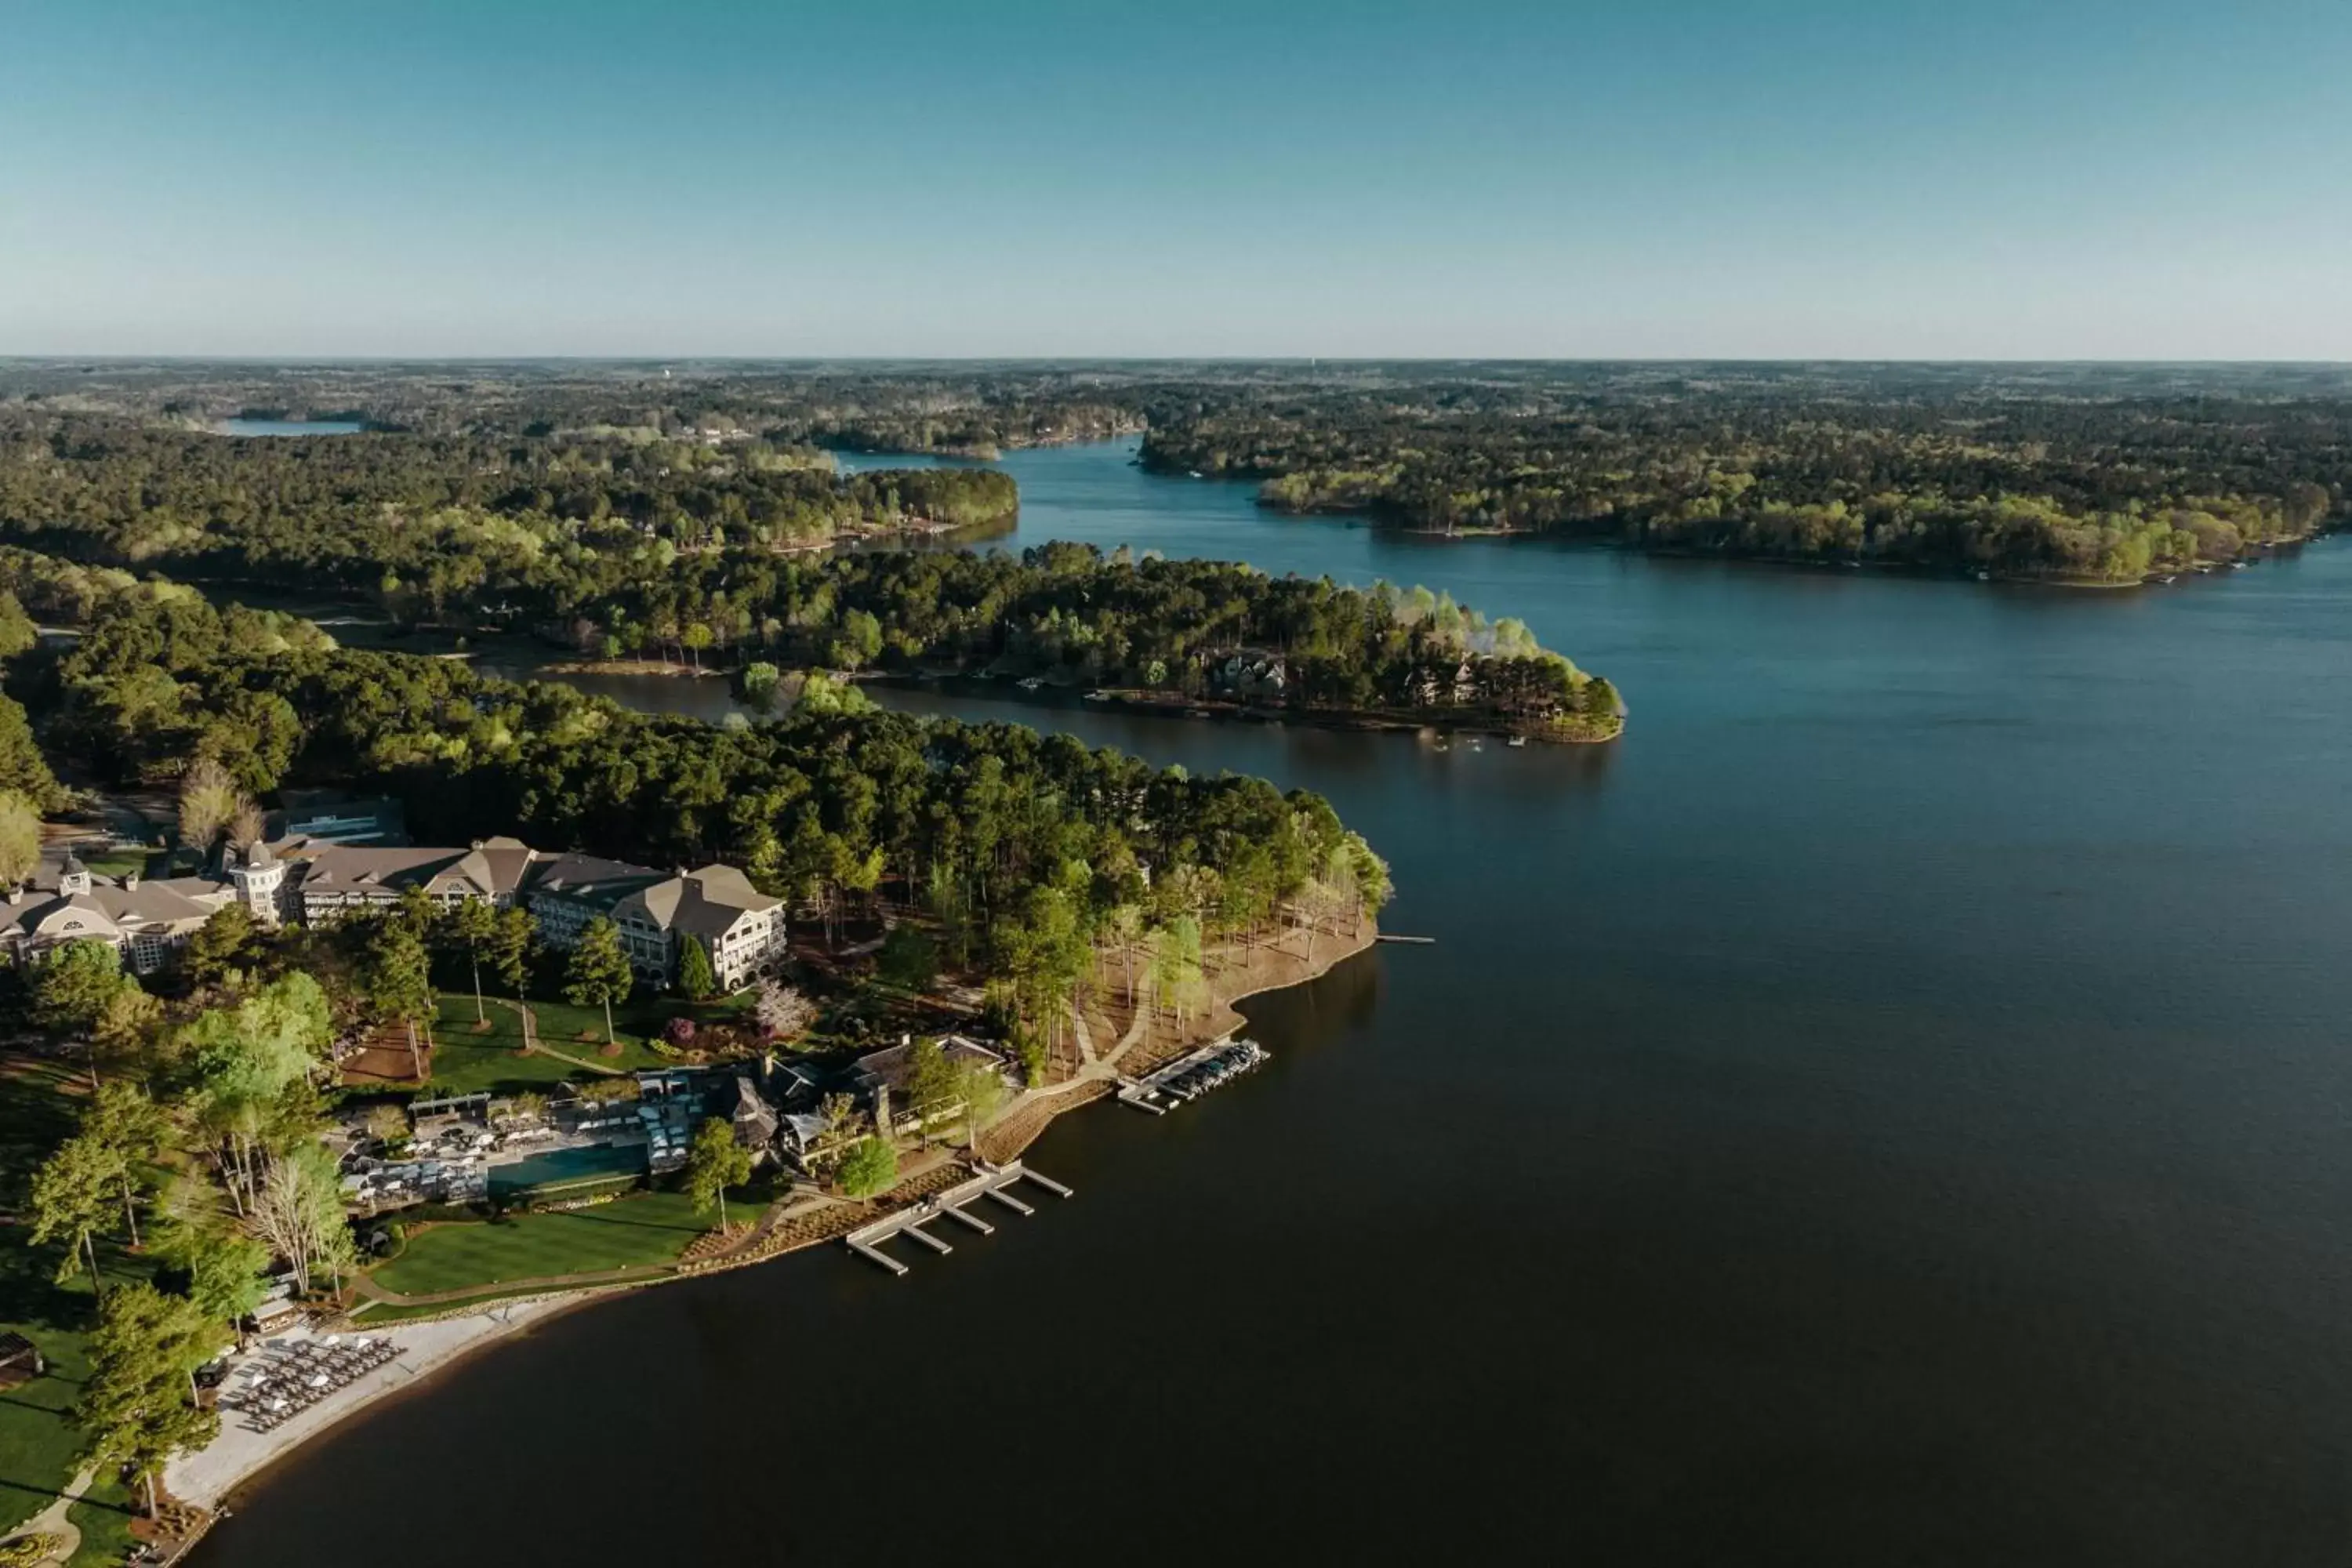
[(1250, 675), (316, 879), (879, 1080)]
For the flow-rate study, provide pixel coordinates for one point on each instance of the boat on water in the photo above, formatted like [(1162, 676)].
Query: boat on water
[(1194, 472), (1517, 740), (1032, 683)]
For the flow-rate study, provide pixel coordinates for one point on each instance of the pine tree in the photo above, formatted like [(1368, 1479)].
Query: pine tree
[(695, 979), (20, 840), (22, 767), (137, 1405), (597, 974)]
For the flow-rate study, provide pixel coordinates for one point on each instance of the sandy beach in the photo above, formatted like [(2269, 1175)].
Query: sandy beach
[(240, 1452)]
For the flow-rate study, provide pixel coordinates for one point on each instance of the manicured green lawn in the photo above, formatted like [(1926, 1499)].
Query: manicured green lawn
[(466, 1063), (560, 1024), (117, 862), (37, 1442), (104, 1516), (653, 1227)]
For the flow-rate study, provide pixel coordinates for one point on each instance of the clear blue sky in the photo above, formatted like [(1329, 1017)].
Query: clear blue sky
[(1994, 178)]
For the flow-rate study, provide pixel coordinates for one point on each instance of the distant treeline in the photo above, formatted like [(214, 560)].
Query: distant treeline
[(2016, 476), (435, 525)]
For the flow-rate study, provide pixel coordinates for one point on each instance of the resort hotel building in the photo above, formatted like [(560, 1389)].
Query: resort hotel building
[(741, 929)]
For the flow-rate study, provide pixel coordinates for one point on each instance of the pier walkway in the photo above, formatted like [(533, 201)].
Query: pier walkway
[(988, 1182)]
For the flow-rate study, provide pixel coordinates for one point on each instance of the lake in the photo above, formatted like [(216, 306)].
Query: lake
[(289, 427), (1895, 1107)]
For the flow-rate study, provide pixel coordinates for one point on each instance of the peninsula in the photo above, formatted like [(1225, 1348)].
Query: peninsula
[(372, 980)]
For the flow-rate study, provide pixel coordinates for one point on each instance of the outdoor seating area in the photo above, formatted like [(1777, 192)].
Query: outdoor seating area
[(288, 1378), (372, 1186)]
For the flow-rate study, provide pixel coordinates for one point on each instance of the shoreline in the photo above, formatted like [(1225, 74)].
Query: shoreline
[(2252, 553), (1170, 706), (240, 1458)]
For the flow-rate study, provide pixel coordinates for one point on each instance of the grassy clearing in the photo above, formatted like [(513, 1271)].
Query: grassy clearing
[(636, 1232)]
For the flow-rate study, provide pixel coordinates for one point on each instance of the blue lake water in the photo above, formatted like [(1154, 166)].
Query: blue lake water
[(1895, 1107), (289, 427)]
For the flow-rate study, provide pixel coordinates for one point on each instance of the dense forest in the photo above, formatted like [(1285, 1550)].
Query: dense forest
[(436, 524), (2065, 474), (1065, 612), (991, 826), (671, 548), (2082, 472)]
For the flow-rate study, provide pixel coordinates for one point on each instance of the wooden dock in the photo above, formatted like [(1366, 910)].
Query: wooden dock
[(989, 1181)]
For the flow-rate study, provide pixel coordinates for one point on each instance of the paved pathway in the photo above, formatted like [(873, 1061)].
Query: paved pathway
[(54, 1520), (531, 1042)]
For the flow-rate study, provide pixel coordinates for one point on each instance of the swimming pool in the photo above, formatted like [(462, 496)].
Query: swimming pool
[(560, 1167)]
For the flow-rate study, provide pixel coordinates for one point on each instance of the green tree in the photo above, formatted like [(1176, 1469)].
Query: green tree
[(72, 1195), (214, 946), (511, 940), (760, 679), (72, 987), (597, 974), (23, 770), (20, 840), (400, 981), (473, 924), (138, 1406), (821, 693), (908, 959), (224, 1266), (695, 979), (1175, 968), (870, 1166), (131, 1127), (714, 1162), (124, 1035), (18, 632), (981, 1088), (930, 1082)]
